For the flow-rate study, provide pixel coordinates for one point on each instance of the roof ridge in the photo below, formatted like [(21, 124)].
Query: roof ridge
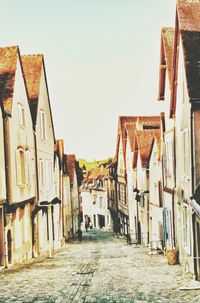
[(32, 55)]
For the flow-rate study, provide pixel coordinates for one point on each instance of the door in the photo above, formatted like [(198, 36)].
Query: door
[(197, 246), (9, 241), (1, 238)]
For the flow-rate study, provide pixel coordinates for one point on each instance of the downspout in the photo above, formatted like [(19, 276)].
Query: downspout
[(173, 190), (192, 188), (8, 178), (35, 242), (72, 214)]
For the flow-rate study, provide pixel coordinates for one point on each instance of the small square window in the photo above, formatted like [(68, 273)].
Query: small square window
[(21, 115)]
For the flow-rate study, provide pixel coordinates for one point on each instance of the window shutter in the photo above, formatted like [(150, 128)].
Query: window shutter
[(18, 168), (160, 194), (27, 167)]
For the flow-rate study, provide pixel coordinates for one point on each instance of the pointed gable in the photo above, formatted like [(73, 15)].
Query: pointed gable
[(32, 68), (188, 25), (8, 65), (145, 139), (130, 129), (166, 59), (59, 149), (70, 159)]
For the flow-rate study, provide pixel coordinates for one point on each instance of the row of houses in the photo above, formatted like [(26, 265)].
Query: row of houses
[(94, 199), (154, 179), (39, 192)]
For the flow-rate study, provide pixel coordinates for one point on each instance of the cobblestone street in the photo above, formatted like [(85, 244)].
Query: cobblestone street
[(100, 269)]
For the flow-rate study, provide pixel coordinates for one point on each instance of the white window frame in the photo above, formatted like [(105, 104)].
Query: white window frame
[(48, 174), (185, 218), (27, 166), (43, 125), (21, 115), (185, 154), (42, 174)]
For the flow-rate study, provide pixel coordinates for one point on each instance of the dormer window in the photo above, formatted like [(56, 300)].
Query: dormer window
[(43, 128), (21, 115)]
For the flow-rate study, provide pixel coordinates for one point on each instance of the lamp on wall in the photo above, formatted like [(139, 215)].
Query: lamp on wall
[(135, 190)]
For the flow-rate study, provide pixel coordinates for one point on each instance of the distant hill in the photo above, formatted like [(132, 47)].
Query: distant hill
[(94, 164)]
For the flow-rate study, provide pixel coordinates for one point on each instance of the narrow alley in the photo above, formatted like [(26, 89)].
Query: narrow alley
[(101, 268)]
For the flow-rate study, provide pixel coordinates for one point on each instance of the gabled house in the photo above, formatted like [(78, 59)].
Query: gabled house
[(143, 145), (2, 191), (167, 134), (94, 194), (19, 155), (121, 179), (185, 105), (67, 202), (126, 176), (112, 197), (74, 191), (156, 195), (44, 137)]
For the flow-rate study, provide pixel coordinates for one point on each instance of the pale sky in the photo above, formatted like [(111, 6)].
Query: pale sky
[(101, 58)]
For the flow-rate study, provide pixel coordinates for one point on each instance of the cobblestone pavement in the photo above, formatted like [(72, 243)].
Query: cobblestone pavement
[(100, 269)]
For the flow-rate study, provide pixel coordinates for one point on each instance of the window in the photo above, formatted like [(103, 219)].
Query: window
[(43, 125), (185, 153), (20, 166), (42, 175), (21, 115), (168, 161), (27, 166), (101, 202), (49, 176), (185, 228)]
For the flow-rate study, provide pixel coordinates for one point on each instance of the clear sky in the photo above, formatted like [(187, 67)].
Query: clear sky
[(102, 59)]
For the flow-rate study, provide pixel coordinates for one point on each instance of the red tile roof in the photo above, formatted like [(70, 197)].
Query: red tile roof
[(126, 127), (130, 129), (32, 67), (188, 14), (8, 65), (145, 139), (99, 173), (59, 150)]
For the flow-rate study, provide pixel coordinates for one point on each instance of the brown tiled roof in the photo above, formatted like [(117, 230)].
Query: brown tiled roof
[(166, 59), (59, 150), (188, 15), (126, 127), (8, 65), (191, 49), (71, 168), (97, 174), (32, 67), (130, 129), (145, 140)]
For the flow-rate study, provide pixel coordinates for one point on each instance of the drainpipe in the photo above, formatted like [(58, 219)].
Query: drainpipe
[(5, 239), (8, 179), (72, 214), (192, 188), (173, 190), (35, 242)]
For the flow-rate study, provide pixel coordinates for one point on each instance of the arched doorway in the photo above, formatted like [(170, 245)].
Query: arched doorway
[(9, 241)]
